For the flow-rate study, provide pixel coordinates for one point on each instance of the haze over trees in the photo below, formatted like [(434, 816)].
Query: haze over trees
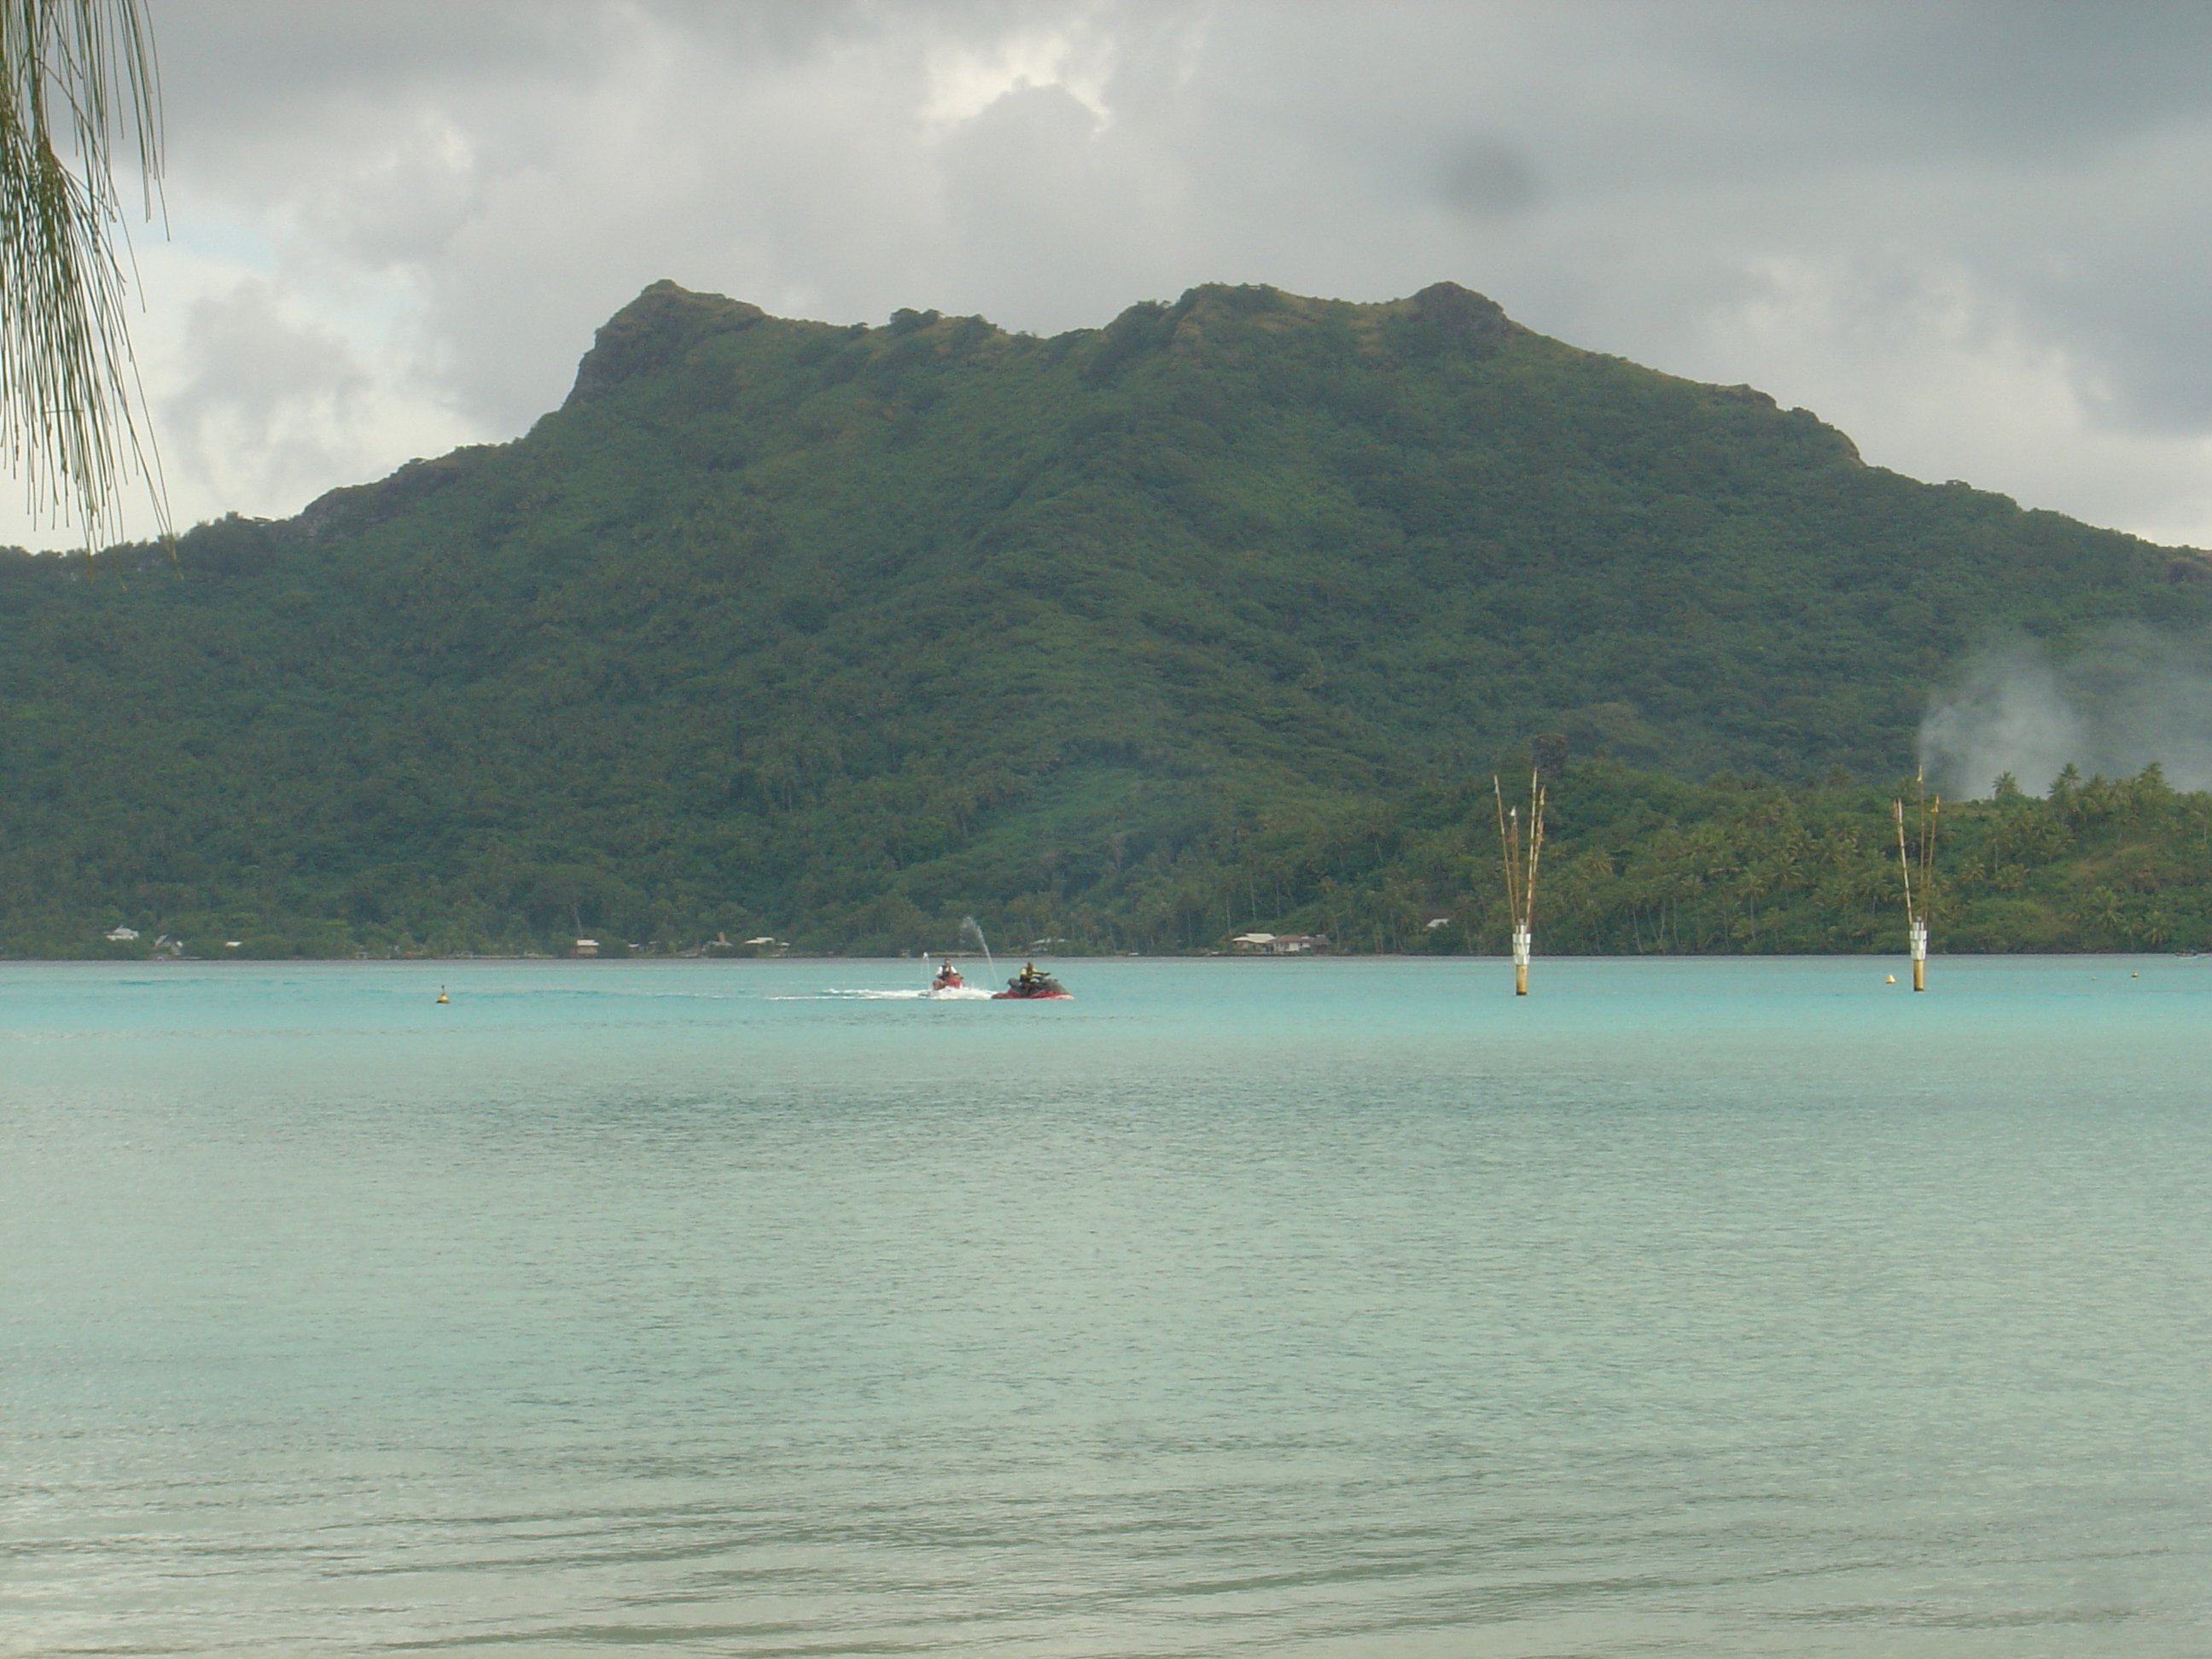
[(1135, 636)]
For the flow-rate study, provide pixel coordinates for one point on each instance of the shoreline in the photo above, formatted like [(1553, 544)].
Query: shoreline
[(1306, 959)]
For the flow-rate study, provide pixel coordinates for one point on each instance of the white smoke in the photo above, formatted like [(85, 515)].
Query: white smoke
[(2126, 697)]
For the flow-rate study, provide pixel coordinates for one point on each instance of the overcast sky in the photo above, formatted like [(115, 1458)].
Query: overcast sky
[(1975, 236)]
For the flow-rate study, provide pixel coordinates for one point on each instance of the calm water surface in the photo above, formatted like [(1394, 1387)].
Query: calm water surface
[(1268, 1309)]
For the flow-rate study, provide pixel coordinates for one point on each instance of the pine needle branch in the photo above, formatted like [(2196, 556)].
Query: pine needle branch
[(76, 81)]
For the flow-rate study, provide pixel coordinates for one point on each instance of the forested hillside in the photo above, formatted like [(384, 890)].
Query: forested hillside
[(840, 633)]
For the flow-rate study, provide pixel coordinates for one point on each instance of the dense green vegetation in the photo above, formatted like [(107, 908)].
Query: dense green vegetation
[(840, 633), (1640, 863)]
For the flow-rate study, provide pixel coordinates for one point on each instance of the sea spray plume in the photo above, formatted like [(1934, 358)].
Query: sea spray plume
[(2128, 696), (970, 928)]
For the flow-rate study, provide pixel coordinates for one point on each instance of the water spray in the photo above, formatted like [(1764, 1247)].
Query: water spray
[(969, 925)]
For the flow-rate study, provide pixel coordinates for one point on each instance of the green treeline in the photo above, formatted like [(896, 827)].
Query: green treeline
[(1635, 863), (1136, 636), (1639, 863)]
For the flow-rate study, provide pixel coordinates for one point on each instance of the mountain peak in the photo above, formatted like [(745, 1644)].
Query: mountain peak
[(1461, 310), (654, 331)]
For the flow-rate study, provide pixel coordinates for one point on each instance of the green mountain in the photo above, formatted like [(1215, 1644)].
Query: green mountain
[(841, 632)]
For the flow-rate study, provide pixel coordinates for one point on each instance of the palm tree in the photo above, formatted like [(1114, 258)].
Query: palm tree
[(76, 88)]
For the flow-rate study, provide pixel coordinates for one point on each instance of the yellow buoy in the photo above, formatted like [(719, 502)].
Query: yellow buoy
[(1889, 979), (442, 997)]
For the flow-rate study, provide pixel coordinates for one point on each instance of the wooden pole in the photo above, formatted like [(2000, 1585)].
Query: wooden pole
[(1917, 903), (1522, 866), (1508, 850)]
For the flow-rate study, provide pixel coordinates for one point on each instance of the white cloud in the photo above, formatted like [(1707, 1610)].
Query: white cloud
[(1944, 378), (275, 403), (966, 78)]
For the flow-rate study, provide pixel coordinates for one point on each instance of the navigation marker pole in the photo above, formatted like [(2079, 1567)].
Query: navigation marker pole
[(1916, 906), (1521, 871)]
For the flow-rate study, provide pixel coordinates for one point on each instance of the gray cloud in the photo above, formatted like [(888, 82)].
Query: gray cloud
[(1973, 234), (1483, 177), (271, 404)]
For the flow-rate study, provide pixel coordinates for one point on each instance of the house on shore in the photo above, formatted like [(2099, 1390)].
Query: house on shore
[(1278, 944)]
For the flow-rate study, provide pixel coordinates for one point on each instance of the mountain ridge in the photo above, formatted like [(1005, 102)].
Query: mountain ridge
[(785, 623)]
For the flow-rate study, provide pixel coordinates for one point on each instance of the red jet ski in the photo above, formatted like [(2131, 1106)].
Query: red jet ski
[(1031, 986), (948, 978)]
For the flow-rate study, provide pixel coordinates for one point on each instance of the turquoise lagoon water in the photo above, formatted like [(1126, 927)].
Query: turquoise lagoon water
[(1285, 1308)]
